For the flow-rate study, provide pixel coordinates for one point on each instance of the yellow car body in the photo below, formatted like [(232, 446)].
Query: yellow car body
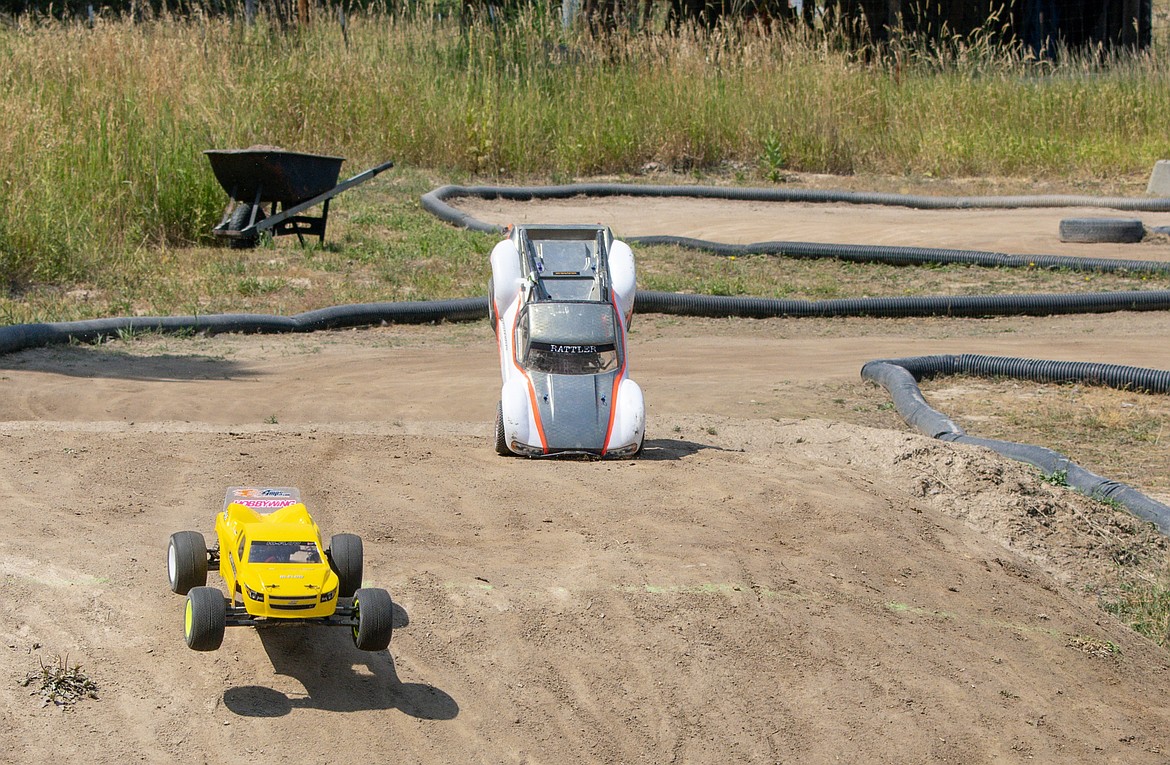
[(270, 554), (275, 563)]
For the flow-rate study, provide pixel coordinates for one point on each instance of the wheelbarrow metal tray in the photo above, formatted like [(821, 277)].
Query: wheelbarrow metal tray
[(279, 176)]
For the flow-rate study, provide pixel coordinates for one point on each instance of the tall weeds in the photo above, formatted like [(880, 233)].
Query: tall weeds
[(100, 158)]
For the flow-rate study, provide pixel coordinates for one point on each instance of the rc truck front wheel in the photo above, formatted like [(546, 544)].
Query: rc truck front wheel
[(186, 561), (374, 611), (345, 556), (205, 619)]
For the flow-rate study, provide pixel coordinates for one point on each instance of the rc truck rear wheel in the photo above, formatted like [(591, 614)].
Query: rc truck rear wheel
[(501, 437), (374, 611), (205, 619), (186, 561), (345, 557)]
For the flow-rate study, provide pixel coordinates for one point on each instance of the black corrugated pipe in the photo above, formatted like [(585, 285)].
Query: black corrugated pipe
[(21, 336), (908, 256), (751, 307), (18, 337), (900, 378), (959, 305), (435, 201)]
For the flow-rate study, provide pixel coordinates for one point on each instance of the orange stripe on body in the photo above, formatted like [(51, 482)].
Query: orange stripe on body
[(617, 381), (536, 412), (531, 390)]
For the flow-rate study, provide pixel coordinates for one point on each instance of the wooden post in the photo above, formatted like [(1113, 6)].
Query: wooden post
[(303, 12)]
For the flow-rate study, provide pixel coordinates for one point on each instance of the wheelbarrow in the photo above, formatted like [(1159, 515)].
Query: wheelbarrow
[(288, 182)]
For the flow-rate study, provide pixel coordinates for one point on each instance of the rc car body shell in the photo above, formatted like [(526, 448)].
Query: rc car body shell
[(278, 571), (561, 302), (274, 561)]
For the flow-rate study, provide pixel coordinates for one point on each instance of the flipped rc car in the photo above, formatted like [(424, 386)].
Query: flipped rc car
[(560, 302), (277, 571)]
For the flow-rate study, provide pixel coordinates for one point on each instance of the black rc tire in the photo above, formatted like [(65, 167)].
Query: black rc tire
[(186, 561), (374, 611), (501, 438), (1102, 230), (205, 619), (345, 558)]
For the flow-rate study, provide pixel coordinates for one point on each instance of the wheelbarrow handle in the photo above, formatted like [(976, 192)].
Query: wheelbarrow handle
[(384, 166), (283, 215)]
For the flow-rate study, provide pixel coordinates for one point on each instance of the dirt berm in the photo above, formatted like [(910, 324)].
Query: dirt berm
[(765, 585)]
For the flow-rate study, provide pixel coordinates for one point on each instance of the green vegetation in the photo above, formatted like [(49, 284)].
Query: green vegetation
[(1057, 478), (60, 684), (101, 167), (1120, 432), (1145, 606)]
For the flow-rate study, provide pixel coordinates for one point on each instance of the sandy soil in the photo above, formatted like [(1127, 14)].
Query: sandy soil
[(762, 586)]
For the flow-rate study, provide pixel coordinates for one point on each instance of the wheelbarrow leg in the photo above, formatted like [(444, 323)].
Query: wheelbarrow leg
[(255, 206), (324, 219)]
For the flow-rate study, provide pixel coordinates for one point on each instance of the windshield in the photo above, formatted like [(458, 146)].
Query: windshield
[(568, 338), (570, 359), (283, 552)]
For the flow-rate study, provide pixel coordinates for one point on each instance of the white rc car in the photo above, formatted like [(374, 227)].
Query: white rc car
[(561, 298)]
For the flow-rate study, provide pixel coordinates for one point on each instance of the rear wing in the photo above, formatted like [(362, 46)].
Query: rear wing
[(566, 262), (262, 499)]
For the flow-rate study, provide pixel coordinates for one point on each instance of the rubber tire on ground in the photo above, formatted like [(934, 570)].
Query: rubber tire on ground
[(239, 221), (1102, 230), (204, 619), (345, 558), (186, 561), (375, 616), (501, 438)]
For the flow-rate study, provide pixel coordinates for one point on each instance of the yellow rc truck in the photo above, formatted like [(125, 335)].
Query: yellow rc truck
[(271, 558)]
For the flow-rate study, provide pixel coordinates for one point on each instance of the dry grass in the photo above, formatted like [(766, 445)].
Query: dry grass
[(101, 166), (1120, 434), (381, 246)]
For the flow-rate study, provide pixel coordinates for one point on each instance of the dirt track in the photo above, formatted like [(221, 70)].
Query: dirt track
[(763, 586)]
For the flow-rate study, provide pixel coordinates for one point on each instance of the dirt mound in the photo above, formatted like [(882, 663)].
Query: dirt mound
[(767, 584), (760, 587)]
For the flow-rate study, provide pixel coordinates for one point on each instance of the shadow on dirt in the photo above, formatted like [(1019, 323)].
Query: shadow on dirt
[(87, 362), (660, 449), (337, 678)]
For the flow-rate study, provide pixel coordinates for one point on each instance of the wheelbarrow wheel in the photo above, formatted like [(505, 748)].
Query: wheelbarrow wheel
[(241, 216)]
